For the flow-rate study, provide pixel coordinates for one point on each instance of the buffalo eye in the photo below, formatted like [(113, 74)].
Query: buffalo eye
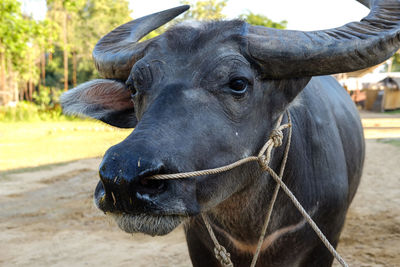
[(238, 85)]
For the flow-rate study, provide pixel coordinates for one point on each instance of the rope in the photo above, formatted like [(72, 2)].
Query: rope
[(276, 191), (307, 217), (203, 172), (220, 252), (263, 158)]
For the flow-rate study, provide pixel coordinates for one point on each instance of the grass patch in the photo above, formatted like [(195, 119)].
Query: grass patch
[(31, 144), (394, 141), (30, 112), (397, 111)]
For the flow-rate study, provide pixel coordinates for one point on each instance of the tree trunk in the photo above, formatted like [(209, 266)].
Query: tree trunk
[(16, 90), (50, 53), (65, 40), (43, 66), (74, 66), (21, 91), (30, 90), (12, 84), (21, 95), (2, 78), (25, 93)]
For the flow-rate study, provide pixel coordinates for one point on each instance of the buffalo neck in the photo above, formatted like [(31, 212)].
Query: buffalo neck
[(241, 216)]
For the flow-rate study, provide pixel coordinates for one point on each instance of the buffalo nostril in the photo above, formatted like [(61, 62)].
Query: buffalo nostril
[(99, 192), (150, 186), (100, 198)]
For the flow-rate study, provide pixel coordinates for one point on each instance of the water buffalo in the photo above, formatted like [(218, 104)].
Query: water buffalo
[(202, 95)]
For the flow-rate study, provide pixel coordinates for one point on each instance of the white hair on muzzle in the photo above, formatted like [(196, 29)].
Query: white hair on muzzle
[(148, 224)]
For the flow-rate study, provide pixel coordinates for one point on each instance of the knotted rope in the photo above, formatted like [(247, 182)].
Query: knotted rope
[(263, 158), (220, 252)]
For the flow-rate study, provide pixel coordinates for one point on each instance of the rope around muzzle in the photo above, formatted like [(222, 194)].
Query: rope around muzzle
[(263, 158)]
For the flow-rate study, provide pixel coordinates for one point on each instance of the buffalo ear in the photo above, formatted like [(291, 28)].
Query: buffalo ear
[(292, 87), (105, 100), (284, 92)]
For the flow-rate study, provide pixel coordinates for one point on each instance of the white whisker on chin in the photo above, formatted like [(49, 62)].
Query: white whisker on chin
[(148, 224)]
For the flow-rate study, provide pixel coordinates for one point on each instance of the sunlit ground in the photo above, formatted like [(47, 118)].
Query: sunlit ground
[(31, 144)]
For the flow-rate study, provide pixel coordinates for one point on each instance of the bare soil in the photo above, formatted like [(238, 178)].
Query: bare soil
[(47, 218)]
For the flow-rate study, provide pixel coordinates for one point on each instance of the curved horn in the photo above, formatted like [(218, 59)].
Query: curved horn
[(354, 46), (365, 2), (115, 53)]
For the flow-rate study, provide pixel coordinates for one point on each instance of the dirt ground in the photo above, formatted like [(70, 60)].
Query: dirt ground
[(47, 218)]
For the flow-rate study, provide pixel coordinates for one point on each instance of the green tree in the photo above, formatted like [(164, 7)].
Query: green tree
[(199, 10), (64, 13), (13, 42), (34, 52), (96, 19), (205, 10), (261, 20), (396, 62), (86, 22), (20, 39)]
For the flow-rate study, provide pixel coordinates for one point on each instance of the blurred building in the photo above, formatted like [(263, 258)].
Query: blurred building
[(371, 89)]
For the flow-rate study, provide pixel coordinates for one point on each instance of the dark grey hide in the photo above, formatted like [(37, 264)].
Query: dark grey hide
[(205, 95)]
